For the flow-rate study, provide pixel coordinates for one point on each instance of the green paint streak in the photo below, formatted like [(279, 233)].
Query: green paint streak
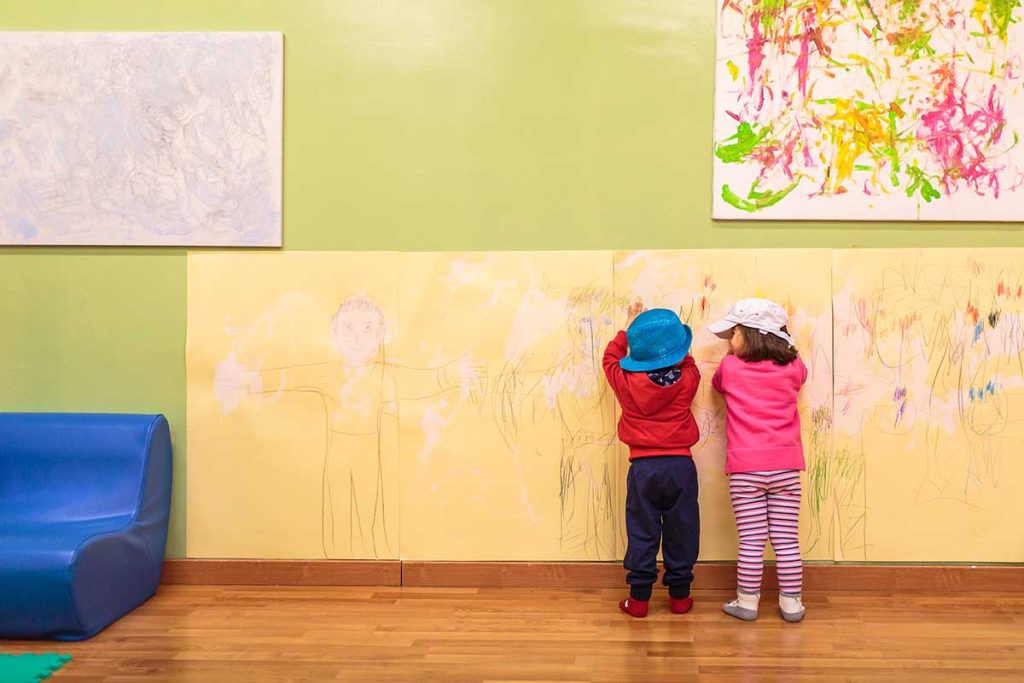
[(998, 132), (745, 142), (909, 8), (861, 167), (770, 10), (921, 182), (756, 200), (891, 151), (914, 43), (1001, 13), (866, 4)]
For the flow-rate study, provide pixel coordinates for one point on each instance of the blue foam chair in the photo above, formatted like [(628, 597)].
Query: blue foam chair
[(84, 502)]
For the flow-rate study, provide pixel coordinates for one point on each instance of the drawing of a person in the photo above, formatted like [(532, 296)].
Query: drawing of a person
[(578, 393), (572, 393), (978, 356), (360, 390)]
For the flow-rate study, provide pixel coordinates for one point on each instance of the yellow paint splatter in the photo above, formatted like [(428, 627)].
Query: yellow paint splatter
[(734, 70), (853, 131), (980, 7)]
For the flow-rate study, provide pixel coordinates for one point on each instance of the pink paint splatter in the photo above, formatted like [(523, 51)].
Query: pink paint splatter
[(959, 134), (800, 66), (755, 49), (811, 34)]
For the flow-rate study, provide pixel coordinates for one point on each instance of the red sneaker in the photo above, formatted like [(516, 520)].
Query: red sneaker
[(680, 605), (634, 608)]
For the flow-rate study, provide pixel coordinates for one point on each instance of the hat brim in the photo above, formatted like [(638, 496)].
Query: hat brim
[(722, 328), (783, 336), (668, 360)]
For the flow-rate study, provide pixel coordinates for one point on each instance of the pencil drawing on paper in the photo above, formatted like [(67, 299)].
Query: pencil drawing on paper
[(474, 402), (540, 457), (567, 410), (359, 391), (930, 364)]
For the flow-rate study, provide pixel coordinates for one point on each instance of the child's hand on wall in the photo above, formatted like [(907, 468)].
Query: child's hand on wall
[(634, 310)]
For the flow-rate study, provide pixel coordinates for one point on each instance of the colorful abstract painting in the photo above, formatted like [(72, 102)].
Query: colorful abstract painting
[(869, 110)]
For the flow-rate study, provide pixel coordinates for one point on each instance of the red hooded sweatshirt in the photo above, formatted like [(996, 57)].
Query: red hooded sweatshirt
[(655, 420)]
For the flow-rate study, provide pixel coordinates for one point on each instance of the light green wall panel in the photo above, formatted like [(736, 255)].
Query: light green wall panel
[(90, 331), (415, 124)]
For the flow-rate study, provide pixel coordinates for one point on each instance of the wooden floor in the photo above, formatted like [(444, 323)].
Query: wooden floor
[(221, 633)]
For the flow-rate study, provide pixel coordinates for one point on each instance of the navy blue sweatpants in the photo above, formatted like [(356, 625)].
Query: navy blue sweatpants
[(661, 510)]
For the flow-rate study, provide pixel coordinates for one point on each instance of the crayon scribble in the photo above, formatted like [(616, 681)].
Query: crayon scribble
[(929, 352)]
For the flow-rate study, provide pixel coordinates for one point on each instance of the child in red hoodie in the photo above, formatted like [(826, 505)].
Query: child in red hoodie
[(655, 384)]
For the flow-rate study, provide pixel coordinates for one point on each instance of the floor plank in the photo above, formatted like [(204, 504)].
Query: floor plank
[(247, 633)]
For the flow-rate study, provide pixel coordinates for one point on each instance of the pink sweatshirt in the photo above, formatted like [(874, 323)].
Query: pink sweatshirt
[(762, 425)]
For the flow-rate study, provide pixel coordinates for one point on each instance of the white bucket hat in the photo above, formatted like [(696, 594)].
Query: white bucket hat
[(760, 314)]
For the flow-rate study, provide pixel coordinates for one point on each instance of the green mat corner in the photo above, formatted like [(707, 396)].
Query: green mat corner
[(30, 668)]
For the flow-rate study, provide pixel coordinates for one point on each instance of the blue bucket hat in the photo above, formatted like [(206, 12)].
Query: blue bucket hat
[(657, 339)]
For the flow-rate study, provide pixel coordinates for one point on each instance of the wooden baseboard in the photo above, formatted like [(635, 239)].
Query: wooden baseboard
[(283, 572), (513, 574), (877, 578), (721, 576), (909, 578)]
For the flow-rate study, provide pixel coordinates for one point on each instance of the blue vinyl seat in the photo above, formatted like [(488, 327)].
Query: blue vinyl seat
[(84, 504)]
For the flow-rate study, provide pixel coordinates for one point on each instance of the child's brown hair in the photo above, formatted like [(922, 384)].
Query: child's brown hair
[(758, 346)]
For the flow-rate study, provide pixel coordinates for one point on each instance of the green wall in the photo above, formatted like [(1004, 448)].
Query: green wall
[(413, 125)]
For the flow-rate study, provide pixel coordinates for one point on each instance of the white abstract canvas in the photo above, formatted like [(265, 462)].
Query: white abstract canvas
[(141, 138)]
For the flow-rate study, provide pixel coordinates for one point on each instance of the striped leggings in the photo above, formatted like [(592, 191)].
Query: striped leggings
[(767, 506)]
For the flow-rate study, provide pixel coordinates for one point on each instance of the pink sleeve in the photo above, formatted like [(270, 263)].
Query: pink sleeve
[(716, 380), (801, 370)]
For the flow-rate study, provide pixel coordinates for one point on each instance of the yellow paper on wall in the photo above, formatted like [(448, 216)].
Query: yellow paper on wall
[(929, 389), (701, 285), (292, 405), (521, 463)]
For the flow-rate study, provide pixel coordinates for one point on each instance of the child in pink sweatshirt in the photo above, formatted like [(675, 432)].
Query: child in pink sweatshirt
[(760, 380)]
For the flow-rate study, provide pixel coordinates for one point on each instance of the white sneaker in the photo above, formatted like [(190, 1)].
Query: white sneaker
[(791, 608), (743, 607)]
